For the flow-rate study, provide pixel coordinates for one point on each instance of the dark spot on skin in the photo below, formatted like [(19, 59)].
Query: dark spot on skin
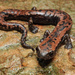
[(60, 24), (51, 53), (46, 13), (40, 10), (22, 31), (63, 23), (69, 23), (4, 13), (43, 44), (50, 15), (70, 18), (49, 36), (64, 17), (18, 10), (17, 26), (8, 27), (54, 38), (49, 45), (51, 11), (55, 34), (50, 40), (66, 26), (4, 26), (64, 13), (13, 26), (60, 29), (53, 41), (29, 12), (47, 48), (56, 10), (59, 12)]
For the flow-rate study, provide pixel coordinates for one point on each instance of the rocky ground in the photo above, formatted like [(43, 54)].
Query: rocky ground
[(16, 60)]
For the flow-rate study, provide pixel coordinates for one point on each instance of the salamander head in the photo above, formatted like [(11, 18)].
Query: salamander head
[(44, 54)]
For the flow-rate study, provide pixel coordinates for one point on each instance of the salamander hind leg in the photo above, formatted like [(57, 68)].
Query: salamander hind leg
[(32, 28), (46, 34), (68, 43)]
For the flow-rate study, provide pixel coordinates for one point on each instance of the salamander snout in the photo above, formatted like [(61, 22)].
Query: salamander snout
[(44, 54), (40, 54)]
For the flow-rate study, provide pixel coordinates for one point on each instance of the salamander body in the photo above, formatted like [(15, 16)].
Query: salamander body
[(50, 41)]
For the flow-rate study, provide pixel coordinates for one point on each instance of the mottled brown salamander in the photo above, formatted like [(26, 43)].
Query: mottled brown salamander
[(50, 41)]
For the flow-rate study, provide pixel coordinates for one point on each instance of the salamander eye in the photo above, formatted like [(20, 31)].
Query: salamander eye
[(51, 53)]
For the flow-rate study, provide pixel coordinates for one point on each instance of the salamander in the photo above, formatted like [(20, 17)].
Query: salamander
[(50, 41)]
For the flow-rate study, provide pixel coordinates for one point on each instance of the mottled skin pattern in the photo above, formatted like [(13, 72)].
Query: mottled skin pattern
[(50, 41)]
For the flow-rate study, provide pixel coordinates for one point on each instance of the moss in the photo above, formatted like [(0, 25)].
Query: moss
[(7, 47)]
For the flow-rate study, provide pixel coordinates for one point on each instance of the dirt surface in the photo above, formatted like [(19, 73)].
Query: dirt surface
[(16, 60)]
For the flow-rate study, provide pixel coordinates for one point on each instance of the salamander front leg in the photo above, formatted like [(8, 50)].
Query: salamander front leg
[(46, 34), (68, 43), (32, 28)]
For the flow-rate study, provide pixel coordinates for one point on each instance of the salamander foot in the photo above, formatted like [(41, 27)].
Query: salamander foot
[(32, 28), (46, 34)]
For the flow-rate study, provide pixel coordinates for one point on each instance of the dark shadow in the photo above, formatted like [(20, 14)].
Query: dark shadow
[(43, 62)]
